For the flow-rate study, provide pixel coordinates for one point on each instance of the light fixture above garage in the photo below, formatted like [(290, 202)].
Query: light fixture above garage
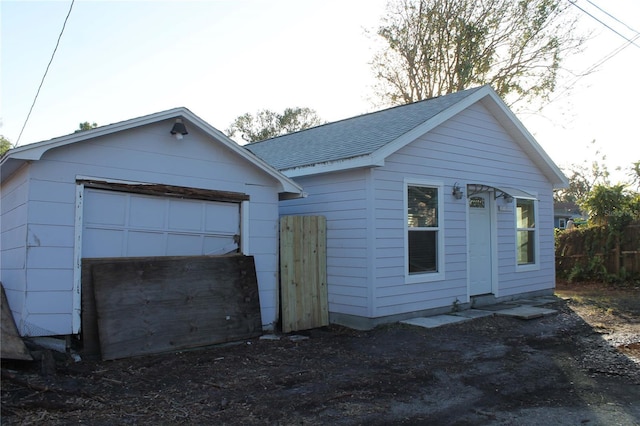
[(179, 129)]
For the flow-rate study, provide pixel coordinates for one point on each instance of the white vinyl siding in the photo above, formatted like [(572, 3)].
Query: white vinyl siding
[(13, 239), (470, 148), (367, 219), (342, 198)]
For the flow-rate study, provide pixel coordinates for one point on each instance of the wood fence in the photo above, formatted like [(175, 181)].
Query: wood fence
[(616, 254), (303, 272)]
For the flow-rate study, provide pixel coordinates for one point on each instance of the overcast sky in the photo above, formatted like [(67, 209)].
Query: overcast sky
[(222, 58)]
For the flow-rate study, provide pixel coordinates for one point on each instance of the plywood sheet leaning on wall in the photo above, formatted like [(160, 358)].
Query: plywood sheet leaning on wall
[(12, 345), (155, 305)]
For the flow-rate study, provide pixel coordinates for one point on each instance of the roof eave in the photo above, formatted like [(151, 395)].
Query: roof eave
[(9, 166), (444, 115), (35, 151), (14, 158), (334, 166), (526, 140), (286, 184), (506, 117)]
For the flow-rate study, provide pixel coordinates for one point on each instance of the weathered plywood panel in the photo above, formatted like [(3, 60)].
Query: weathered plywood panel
[(303, 271), (12, 346), (155, 305)]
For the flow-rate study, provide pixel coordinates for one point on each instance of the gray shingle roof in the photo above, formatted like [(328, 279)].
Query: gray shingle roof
[(352, 137)]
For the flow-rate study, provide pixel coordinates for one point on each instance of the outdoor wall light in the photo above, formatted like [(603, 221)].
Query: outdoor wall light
[(457, 192), (179, 129)]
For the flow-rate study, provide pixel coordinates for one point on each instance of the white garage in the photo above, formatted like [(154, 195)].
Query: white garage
[(141, 187)]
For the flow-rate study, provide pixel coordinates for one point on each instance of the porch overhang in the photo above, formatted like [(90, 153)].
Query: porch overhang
[(500, 191)]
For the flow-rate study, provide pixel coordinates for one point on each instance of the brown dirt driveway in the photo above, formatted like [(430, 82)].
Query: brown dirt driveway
[(579, 366)]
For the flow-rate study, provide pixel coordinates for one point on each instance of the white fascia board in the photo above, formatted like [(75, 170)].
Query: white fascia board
[(507, 118), (36, 150), (378, 157), (526, 140), (334, 166), (14, 158), (287, 184), (383, 152)]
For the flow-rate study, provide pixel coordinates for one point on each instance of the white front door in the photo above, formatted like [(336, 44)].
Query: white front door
[(480, 250)]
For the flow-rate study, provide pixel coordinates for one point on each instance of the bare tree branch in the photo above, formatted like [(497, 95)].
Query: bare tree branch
[(434, 47)]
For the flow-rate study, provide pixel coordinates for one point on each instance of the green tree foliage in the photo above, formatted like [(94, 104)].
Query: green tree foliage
[(5, 145), (86, 126), (611, 203), (269, 124), (583, 178), (435, 47), (634, 174)]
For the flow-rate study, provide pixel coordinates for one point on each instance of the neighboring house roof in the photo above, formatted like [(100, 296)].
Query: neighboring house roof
[(15, 158), (566, 209), (366, 140)]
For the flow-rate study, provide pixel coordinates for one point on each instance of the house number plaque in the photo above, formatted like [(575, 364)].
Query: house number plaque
[(476, 202)]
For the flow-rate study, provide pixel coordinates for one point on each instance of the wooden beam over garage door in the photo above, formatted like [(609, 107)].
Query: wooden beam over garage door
[(168, 191)]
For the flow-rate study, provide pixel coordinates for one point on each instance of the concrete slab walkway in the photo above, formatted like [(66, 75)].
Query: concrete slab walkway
[(523, 309)]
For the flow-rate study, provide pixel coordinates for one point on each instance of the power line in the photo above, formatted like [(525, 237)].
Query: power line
[(610, 15), (602, 60), (593, 67), (574, 2), (45, 72)]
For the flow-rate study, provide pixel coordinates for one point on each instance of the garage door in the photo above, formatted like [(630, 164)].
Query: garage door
[(121, 224)]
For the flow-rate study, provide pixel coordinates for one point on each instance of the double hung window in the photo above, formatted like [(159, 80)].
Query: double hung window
[(526, 232), (424, 229)]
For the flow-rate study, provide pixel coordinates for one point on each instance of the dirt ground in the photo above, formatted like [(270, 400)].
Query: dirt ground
[(579, 366)]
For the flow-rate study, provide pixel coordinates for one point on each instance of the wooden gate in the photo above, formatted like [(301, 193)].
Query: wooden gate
[(303, 272)]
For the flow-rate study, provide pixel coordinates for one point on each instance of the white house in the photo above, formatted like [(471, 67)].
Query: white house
[(141, 187), (430, 206)]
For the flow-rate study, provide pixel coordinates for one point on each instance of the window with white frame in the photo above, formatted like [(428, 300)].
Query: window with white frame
[(424, 229), (526, 231)]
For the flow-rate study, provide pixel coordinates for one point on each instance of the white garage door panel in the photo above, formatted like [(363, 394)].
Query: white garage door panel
[(105, 208), (146, 212), (180, 244), (145, 243), (218, 245), (221, 216), (111, 242), (185, 215), (118, 224)]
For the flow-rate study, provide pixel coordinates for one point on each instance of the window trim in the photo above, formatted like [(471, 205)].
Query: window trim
[(424, 276), (536, 236)]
